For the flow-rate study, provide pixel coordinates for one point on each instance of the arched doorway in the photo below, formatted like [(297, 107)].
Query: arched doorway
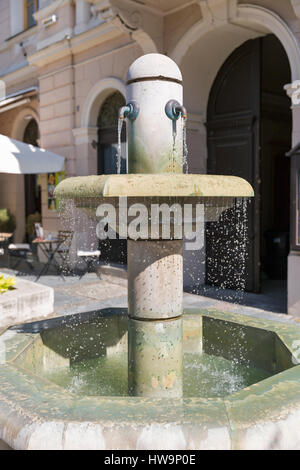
[(111, 250), (107, 124), (249, 126), (33, 201)]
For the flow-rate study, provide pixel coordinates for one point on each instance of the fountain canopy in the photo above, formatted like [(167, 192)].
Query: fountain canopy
[(153, 185)]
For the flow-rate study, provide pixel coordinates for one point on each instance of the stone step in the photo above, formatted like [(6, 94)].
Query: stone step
[(28, 301)]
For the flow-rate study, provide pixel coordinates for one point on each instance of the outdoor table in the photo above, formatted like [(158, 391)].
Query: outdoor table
[(49, 248)]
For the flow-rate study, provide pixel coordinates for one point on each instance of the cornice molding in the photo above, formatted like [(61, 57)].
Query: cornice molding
[(50, 54), (74, 45), (113, 23), (129, 18), (18, 76), (17, 38)]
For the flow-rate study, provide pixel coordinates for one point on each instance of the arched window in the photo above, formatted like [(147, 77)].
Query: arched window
[(108, 135), (31, 133), (32, 186)]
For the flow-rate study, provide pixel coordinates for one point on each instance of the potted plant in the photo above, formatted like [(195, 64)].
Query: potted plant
[(6, 283)]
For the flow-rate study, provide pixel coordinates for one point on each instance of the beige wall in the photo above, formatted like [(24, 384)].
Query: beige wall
[(12, 194), (57, 110), (12, 191), (176, 24)]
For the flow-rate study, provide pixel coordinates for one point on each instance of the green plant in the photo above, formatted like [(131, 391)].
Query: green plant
[(7, 221), (6, 284), (30, 221)]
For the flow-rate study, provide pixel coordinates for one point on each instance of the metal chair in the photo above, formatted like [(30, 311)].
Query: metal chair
[(66, 237), (89, 257), (5, 239), (22, 252)]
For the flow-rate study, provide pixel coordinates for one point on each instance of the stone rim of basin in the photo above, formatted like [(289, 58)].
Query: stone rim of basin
[(154, 185), (250, 418)]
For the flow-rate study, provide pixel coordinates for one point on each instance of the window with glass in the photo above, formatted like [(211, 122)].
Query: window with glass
[(30, 7)]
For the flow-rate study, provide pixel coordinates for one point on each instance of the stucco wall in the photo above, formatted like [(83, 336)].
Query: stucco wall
[(282, 7), (176, 24)]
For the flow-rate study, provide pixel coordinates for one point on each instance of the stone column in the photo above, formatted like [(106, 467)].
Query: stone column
[(155, 267), (154, 140), (155, 275)]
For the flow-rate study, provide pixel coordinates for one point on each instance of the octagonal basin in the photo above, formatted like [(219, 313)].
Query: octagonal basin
[(65, 375), (91, 357)]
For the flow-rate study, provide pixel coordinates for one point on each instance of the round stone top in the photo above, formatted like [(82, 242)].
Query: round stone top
[(154, 65)]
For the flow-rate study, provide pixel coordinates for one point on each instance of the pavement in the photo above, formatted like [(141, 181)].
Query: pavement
[(74, 295)]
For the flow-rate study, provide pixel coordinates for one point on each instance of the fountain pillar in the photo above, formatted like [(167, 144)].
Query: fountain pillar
[(155, 271), (155, 141), (155, 322)]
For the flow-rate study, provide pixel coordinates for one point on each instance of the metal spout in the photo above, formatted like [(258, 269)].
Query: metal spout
[(181, 111), (175, 110), (129, 111)]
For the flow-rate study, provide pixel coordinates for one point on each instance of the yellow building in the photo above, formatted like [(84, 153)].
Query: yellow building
[(63, 67)]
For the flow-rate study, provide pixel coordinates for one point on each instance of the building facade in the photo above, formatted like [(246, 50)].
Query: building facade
[(63, 66)]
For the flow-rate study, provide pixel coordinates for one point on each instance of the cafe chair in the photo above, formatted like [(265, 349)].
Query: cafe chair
[(65, 237), (90, 258), (21, 252)]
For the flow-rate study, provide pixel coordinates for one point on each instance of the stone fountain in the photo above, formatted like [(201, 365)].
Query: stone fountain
[(156, 118), (64, 381)]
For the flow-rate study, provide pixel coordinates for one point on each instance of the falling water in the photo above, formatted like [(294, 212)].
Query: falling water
[(79, 219), (185, 147), (227, 252), (119, 156), (174, 134)]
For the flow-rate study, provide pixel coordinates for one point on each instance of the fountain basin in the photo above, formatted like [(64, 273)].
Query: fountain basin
[(153, 185), (36, 413), (215, 193)]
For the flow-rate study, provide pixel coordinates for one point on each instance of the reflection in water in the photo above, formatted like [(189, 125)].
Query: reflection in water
[(203, 376)]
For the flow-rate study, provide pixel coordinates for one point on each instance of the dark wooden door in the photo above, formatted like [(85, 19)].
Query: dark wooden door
[(234, 149), (276, 131)]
